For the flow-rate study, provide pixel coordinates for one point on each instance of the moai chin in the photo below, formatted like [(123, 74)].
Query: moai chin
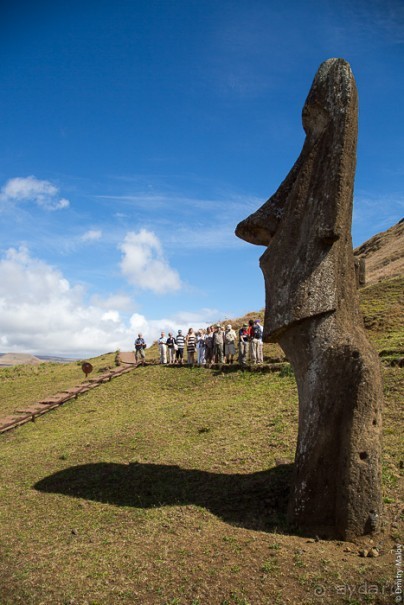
[(312, 310)]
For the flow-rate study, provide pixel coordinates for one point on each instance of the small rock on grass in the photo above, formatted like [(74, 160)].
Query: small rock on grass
[(372, 552)]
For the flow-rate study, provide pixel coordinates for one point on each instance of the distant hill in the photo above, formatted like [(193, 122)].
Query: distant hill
[(13, 359), (384, 254)]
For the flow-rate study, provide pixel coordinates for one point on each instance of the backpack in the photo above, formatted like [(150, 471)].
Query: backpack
[(257, 332)]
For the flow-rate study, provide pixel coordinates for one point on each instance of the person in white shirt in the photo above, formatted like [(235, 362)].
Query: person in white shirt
[(171, 348), (163, 348)]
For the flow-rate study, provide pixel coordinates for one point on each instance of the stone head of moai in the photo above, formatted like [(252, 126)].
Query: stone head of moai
[(312, 311)]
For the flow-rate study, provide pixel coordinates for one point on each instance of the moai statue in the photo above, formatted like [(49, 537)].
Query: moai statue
[(312, 310), (360, 271)]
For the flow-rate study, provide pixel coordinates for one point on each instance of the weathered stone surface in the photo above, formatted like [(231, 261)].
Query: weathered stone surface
[(312, 311), (127, 357), (59, 398), (36, 409), (73, 392), (9, 422)]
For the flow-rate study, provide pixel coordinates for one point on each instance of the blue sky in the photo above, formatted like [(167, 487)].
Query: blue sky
[(136, 134)]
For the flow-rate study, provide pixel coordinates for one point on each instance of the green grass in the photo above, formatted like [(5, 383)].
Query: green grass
[(25, 384), (22, 385), (162, 486), (382, 305), (120, 497)]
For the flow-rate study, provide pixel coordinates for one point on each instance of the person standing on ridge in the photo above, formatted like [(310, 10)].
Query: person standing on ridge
[(171, 348), (140, 346), (255, 338), (180, 341), (229, 343), (200, 346), (258, 331), (209, 345), (243, 345), (218, 344), (163, 348), (191, 346)]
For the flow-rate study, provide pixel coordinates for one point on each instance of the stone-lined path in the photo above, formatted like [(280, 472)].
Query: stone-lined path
[(29, 412)]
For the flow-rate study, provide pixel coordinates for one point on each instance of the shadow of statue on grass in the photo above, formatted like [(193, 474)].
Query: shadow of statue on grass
[(255, 501)]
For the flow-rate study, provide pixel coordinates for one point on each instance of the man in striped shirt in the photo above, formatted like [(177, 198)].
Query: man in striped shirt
[(180, 342), (191, 346)]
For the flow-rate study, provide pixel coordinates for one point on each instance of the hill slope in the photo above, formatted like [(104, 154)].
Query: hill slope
[(168, 486), (384, 254), (13, 359)]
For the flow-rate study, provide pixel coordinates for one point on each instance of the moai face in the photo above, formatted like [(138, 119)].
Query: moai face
[(307, 220)]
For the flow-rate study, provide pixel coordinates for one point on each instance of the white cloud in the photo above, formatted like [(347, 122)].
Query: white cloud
[(122, 302), (92, 235), (144, 265), (111, 316), (41, 312), (25, 189)]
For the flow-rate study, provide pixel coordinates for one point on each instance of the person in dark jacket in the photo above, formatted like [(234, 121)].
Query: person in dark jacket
[(140, 346), (171, 348)]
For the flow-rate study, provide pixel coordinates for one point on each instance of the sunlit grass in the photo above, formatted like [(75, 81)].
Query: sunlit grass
[(165, 486)]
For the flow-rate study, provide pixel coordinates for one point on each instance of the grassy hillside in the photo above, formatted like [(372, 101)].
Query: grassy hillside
[(382, 305), (168, 486), (384, 254), (25, 384)]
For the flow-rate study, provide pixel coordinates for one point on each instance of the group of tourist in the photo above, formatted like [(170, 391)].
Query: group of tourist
[(216, 344)]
